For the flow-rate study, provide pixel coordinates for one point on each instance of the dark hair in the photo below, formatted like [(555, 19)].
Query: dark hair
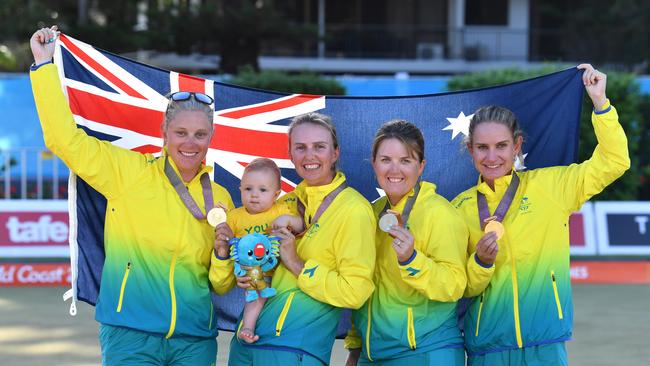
[(316, 119), (493, 113), (176, 106), (264, 164), (404, 131)]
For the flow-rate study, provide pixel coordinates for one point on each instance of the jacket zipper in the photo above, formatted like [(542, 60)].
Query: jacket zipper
[(211, 315), (480, 310), (368, 328), (124, 279), (515, 295), (557, 296), (172, 293), (283, 314), (411, 329)]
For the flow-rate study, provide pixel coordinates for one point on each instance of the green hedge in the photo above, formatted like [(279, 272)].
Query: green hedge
[(7, 59), (305, 82), (632, 106)]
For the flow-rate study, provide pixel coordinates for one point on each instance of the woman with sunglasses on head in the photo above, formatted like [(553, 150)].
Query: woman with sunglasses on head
[(518, 267), (154, 305), (410, 319), (327, 268)]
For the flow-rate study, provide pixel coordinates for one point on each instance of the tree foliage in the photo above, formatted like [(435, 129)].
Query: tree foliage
[(633, 110), (237, 30), (614, 32)]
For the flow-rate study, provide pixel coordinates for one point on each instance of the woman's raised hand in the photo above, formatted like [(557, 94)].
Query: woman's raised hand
[(595, 84), (42, 44)]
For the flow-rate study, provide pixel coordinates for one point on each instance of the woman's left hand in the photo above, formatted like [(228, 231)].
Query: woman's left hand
[(595, 83), (288, 253), (403, 242)]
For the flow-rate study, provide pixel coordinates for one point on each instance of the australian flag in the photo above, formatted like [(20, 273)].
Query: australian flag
[(123, 101)]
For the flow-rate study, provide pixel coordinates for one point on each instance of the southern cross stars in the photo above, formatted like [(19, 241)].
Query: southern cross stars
[(519, 162), (459, 124)]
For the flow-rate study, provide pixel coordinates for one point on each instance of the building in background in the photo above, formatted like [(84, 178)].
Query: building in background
[(388, 36), (415, 29)]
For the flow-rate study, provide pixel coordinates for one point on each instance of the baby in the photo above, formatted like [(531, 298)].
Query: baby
[(260, 188)]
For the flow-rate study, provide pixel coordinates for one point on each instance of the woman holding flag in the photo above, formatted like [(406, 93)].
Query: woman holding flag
[(518, 267), (326, 268), (154, 303)]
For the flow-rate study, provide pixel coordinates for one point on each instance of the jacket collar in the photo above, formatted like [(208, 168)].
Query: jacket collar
[(312, 196), (425, 187), (500, 186)]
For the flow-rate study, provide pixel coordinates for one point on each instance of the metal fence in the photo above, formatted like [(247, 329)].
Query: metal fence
[(32, 173)]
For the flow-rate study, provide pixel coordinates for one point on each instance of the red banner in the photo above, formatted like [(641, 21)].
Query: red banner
[(601, 272), (34, 274), (614, 272)]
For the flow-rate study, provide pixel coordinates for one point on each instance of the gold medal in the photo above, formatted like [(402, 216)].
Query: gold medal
[(495, 226), (216, 216), (387, 221)]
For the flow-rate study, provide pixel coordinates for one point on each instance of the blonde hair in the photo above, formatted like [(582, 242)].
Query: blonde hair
[(494, 113), (176, 106), (315, 119)]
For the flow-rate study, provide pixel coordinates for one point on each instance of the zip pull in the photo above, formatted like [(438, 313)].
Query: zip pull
[(73, 308), (73, 305)]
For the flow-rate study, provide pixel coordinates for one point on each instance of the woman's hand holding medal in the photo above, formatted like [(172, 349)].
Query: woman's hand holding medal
[(222, 234), (403, 242), (222, 237), (487, 248)]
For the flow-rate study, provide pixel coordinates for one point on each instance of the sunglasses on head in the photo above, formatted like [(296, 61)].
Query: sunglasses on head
[(199, 97)]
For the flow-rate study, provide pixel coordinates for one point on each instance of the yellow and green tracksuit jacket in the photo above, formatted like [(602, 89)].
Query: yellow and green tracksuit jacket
[(242, 223), (339, 255), (413, 308), (155, 275), (524, 299)]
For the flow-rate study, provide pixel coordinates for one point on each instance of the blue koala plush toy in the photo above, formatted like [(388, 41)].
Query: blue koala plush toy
[(260, 253)]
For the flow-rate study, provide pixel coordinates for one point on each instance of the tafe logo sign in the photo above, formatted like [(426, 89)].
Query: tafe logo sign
[(33, 228)]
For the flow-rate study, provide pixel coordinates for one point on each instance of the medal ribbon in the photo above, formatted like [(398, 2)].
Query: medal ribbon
[(184, 194), (504, 204), (407, 207), (327, 201)]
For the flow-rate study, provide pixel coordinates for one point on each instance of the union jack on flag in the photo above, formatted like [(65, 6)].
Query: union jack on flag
[(112, 102), (123, 101)]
